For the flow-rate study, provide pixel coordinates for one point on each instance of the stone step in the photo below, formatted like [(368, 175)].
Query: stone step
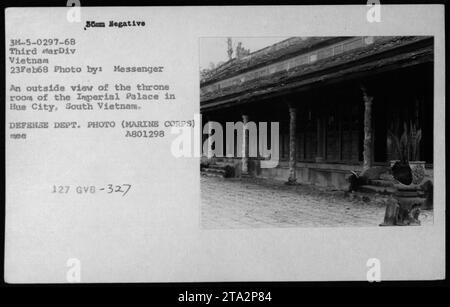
[(376, 189), (381, 183), (217, 166), (214, 170)]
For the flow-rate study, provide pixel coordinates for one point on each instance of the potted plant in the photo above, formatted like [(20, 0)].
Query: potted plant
[(407, 148), (401, 169)]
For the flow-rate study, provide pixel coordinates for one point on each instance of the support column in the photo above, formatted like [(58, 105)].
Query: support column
[(292, 145), (245, 145), (320, 139), (367, 149)]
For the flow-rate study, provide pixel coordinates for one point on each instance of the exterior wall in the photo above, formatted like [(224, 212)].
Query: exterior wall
[(321, 174)]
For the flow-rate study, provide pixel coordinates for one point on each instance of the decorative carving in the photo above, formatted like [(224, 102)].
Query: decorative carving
[(230, 48), (241, 51), (418, 171)]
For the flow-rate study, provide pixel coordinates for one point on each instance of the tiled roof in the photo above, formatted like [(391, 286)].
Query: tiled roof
[(308, 73)]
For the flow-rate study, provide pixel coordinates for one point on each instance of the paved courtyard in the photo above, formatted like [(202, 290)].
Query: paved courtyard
[(249, 203)]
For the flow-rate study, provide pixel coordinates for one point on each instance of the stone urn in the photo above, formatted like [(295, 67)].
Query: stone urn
[(404, 207)]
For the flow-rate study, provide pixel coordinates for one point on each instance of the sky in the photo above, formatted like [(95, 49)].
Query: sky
[(214, 49)]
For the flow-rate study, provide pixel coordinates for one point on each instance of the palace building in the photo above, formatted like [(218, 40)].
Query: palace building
[(337, 100)]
